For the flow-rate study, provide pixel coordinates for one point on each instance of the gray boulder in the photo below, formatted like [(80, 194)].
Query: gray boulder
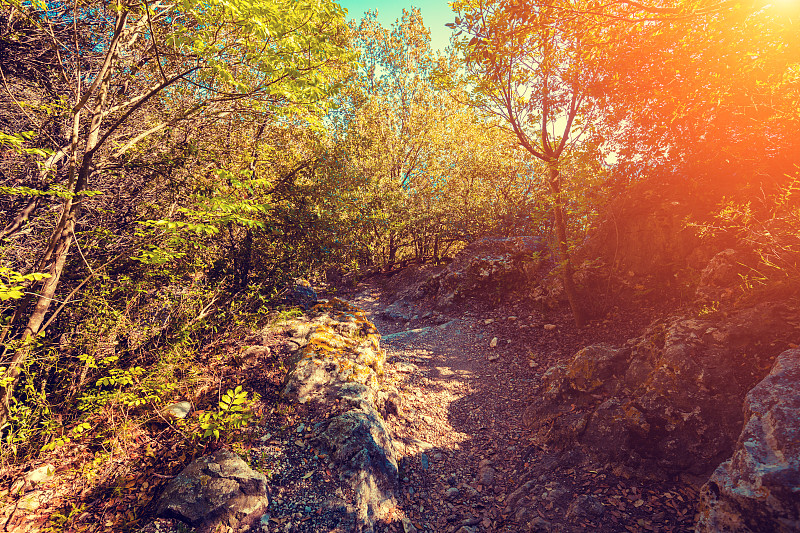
[(758, 488), (215, 490)]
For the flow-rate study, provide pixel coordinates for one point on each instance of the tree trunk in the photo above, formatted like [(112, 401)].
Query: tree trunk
[(242, 260), (392, 251), (563, 249)]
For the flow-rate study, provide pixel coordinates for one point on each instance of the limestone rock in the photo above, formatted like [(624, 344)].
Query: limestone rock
[(215, 490), (178, 410), (338, 361), (339, 346), (671, 398), (359, 443), (758, 488), (722, 274), (40, 475)]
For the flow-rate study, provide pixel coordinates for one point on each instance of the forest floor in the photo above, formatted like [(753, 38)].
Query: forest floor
[(461, 443), (461, 437)]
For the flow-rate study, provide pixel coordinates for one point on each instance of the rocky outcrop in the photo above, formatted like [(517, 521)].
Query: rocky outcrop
[(338, 363), (487, 266), (669, 399), (213, 491), (758, 488), (722, 275)]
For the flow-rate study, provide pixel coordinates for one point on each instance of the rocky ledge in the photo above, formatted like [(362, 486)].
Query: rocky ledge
[(336, 366), (338, 363), (669, 403), (758, 488)]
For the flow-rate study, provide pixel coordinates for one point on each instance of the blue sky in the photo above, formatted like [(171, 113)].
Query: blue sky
[(435, 14)]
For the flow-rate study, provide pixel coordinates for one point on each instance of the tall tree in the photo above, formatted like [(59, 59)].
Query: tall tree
[(527, 65), (149, 67)]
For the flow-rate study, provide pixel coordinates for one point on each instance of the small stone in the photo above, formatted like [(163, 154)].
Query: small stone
[(549, 327), (493, 357), (512, 318), (41, 474), (488, 321), (487, 476), (408, 527), (301, 427), (451, 493), (538, 524), (424, 461), (493, 343), (533, 364), (31, 501), (178, 411)]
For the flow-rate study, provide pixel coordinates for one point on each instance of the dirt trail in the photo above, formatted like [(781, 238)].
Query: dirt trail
[(457, 409), (463, 382)]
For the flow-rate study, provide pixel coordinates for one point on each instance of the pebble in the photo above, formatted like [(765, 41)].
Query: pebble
[(408, 527), (549, 327), (488, 321), (178, 410), (424, 461), (493, 342), (451, 493)]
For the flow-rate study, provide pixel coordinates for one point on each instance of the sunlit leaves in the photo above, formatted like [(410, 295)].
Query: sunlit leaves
[(12, 284)]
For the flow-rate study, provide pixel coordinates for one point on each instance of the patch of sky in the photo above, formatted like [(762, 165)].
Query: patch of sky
[(435, 14)]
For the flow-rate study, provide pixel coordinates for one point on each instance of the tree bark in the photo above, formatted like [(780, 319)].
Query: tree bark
[(561, 234)]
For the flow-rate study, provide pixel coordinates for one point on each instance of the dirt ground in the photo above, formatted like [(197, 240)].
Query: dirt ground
[(465, 378)]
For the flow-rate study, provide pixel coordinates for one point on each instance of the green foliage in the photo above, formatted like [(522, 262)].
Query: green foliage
[(767, 227), (12, 284), (233, 413), (16, 141)]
